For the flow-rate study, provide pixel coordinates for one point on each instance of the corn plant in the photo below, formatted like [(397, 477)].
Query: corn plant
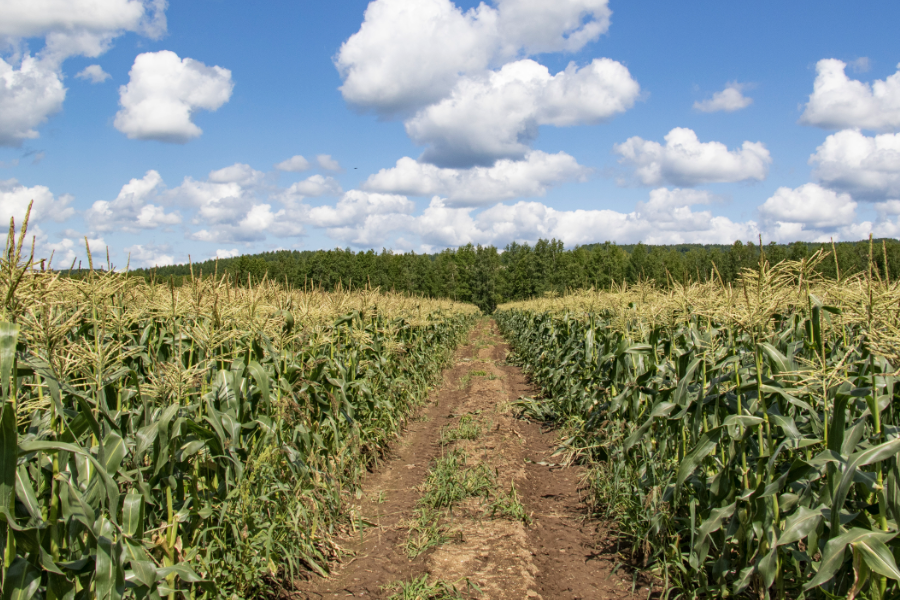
[(745, 436), (195, 441)]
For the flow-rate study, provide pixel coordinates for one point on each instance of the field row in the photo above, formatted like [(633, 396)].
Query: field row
[(744, 437), (198, 440)]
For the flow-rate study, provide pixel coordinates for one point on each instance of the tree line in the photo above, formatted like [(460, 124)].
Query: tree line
[(486, 276)]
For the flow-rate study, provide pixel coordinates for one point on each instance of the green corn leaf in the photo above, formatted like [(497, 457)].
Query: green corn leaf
[(115, 450), (25, 493), (878, 557), (21, 581), (133, 515), (861, 459), (8, 438), (112, 489), (768, 567), (800, 525), (107, 569), (692, 460), (833, 556), (9, 335)]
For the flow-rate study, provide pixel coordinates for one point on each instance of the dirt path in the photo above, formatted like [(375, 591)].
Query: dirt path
[(536, 544)]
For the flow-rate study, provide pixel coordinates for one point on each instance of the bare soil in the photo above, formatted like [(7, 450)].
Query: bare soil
[(560, 554)]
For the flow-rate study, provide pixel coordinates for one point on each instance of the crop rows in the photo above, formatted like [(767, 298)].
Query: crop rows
[(743, 437), (195, 441)]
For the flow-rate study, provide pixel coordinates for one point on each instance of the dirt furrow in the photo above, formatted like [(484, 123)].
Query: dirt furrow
[(518, 528)]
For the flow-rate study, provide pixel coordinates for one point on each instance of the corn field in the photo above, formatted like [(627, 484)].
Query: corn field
[(744, 437), (195, 441)]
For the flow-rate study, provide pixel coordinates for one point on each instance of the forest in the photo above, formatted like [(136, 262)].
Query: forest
[(487, 276)]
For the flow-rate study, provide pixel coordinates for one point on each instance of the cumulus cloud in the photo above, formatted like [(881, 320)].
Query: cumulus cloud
[(363, 218), (253, 224), (838, 102), (93, 74), (667, 217), (221, 253), (31, 88), (479, 185), (867, 167), (326, 162), (498, 115), (806, 212), (163, 93), (730, 99), (294, 164), (69, 252), (227, 207), (132, 209), (686, 161), (241, 173), (314, 186), (407, 55), (29, 94), (356, 205), (150, 255), (14, 199), (30, 18)]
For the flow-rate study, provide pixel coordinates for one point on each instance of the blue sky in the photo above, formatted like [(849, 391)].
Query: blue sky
[(215, 127)]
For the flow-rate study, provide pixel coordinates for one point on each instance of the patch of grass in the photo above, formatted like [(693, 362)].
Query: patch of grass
[(478, 373), (464, 381), (509, 506), (467, 429), (420, 589), (451, 480), (425, 531)]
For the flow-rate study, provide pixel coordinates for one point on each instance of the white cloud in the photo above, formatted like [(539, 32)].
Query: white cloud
[(150, 255), (498, 115), (28, 95), (163, 93), (795, 214), (685, 161), (69, 252), (294, 164), (241, 173), (94, 74), (356, 205), (363, 218), (860, 65), (31, 88), (728, 100), (14, 199), (667, 218), (326, 162), (220, 253), (252, 224), (838, 102), (867, 167), (407, 55), (228, 210), (131, 210), (215, 202), (314, 186), (535, 26), (30, 18), (479, 185)]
